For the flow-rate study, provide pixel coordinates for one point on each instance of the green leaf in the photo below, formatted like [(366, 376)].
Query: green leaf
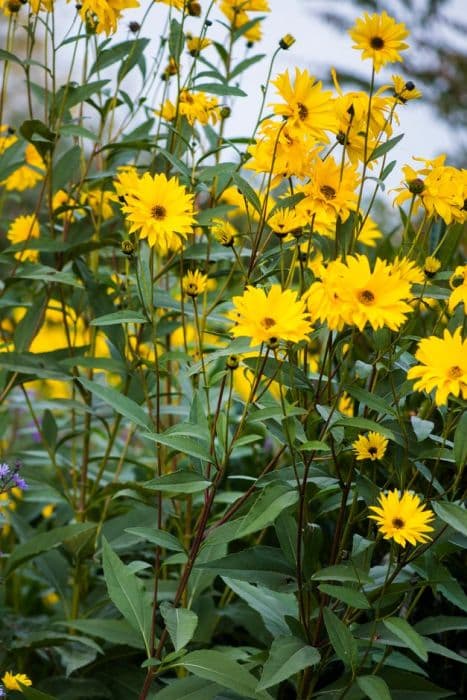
[(273, 606), (44, 543), (39, 134), (67, 168), (120, 403), (75, 95), (219, 89), (421, 428), (34, 694), (365, 424), (126, 591), (406, 633), (460, 441), (349, 596), (441, 623), (217, 667), (246, 63), (288, 656), (247, 191), (8, 56), (190, 688), (341, 639), (176, 40), (453, 515), (114, 631), (181, 624), (374, 687), (270, 503), (178, 482), (143, 264), (342, 572), (184, 444), (260, 564), (373, 401), (385, 147), (156, 536), (115, 54), (124, 316)]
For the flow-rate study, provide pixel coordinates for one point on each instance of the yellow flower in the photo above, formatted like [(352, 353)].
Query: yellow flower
[(11, 680), (283, 150), (50, 599), (103, 15), (380, 38), (404, 90), (47, 511), (402, 518), (431, 266), (29, 174), (371, 446), (195, 106), (21, 230), (223, 232), (439, 188), (331, 190), (7, 137), (194, 283), (369, 233), (66, 207), (443, 366), (99, 201), (458, 284), (195, 44), (270, 317), (177, 4), (407, 270), (285, 221), (307, 106), (345, 405), (161, 210), (351, 293)]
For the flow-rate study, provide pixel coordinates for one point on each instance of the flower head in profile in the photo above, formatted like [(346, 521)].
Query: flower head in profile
[(195, 44), (458, 284), (22, 230), (270, 317), (7, 137), (194, 283), (161, 210), (404, 90), (223, 232), (379, 38), (12, 681), (306, 106), (195, 106), (371, 446), (442, 366), (402, 518), (285, 221)]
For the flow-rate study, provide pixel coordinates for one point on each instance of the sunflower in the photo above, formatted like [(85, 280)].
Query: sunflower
[(458, 284), (21, 230), (161, 210), (371, 446), (223, 232), (331, 191), (195, 44), (7, 137), (443, 366), (324, 301), (380, 38), (376, 297), (402, 518), (404, 90), (270, 317), (307, 106), (285, 221), (195, 106), (369, 233), (194, 283)]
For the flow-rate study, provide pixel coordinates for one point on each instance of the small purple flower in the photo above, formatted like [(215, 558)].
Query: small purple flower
[(19, 482), (2, 690), (4, 471)]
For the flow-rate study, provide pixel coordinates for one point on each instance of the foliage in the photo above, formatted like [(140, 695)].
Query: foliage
[(215, 369)]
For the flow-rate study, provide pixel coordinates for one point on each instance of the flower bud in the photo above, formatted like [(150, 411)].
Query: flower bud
[(287, 41), (232, 362), (416, 186), (128, 248)]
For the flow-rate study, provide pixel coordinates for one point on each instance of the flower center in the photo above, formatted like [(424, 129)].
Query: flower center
[(268, 322), (372, 450), (376, 43), (302, 111), (328, 192), (454, 372), (158, 212), (366, 297), (398, 523)]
